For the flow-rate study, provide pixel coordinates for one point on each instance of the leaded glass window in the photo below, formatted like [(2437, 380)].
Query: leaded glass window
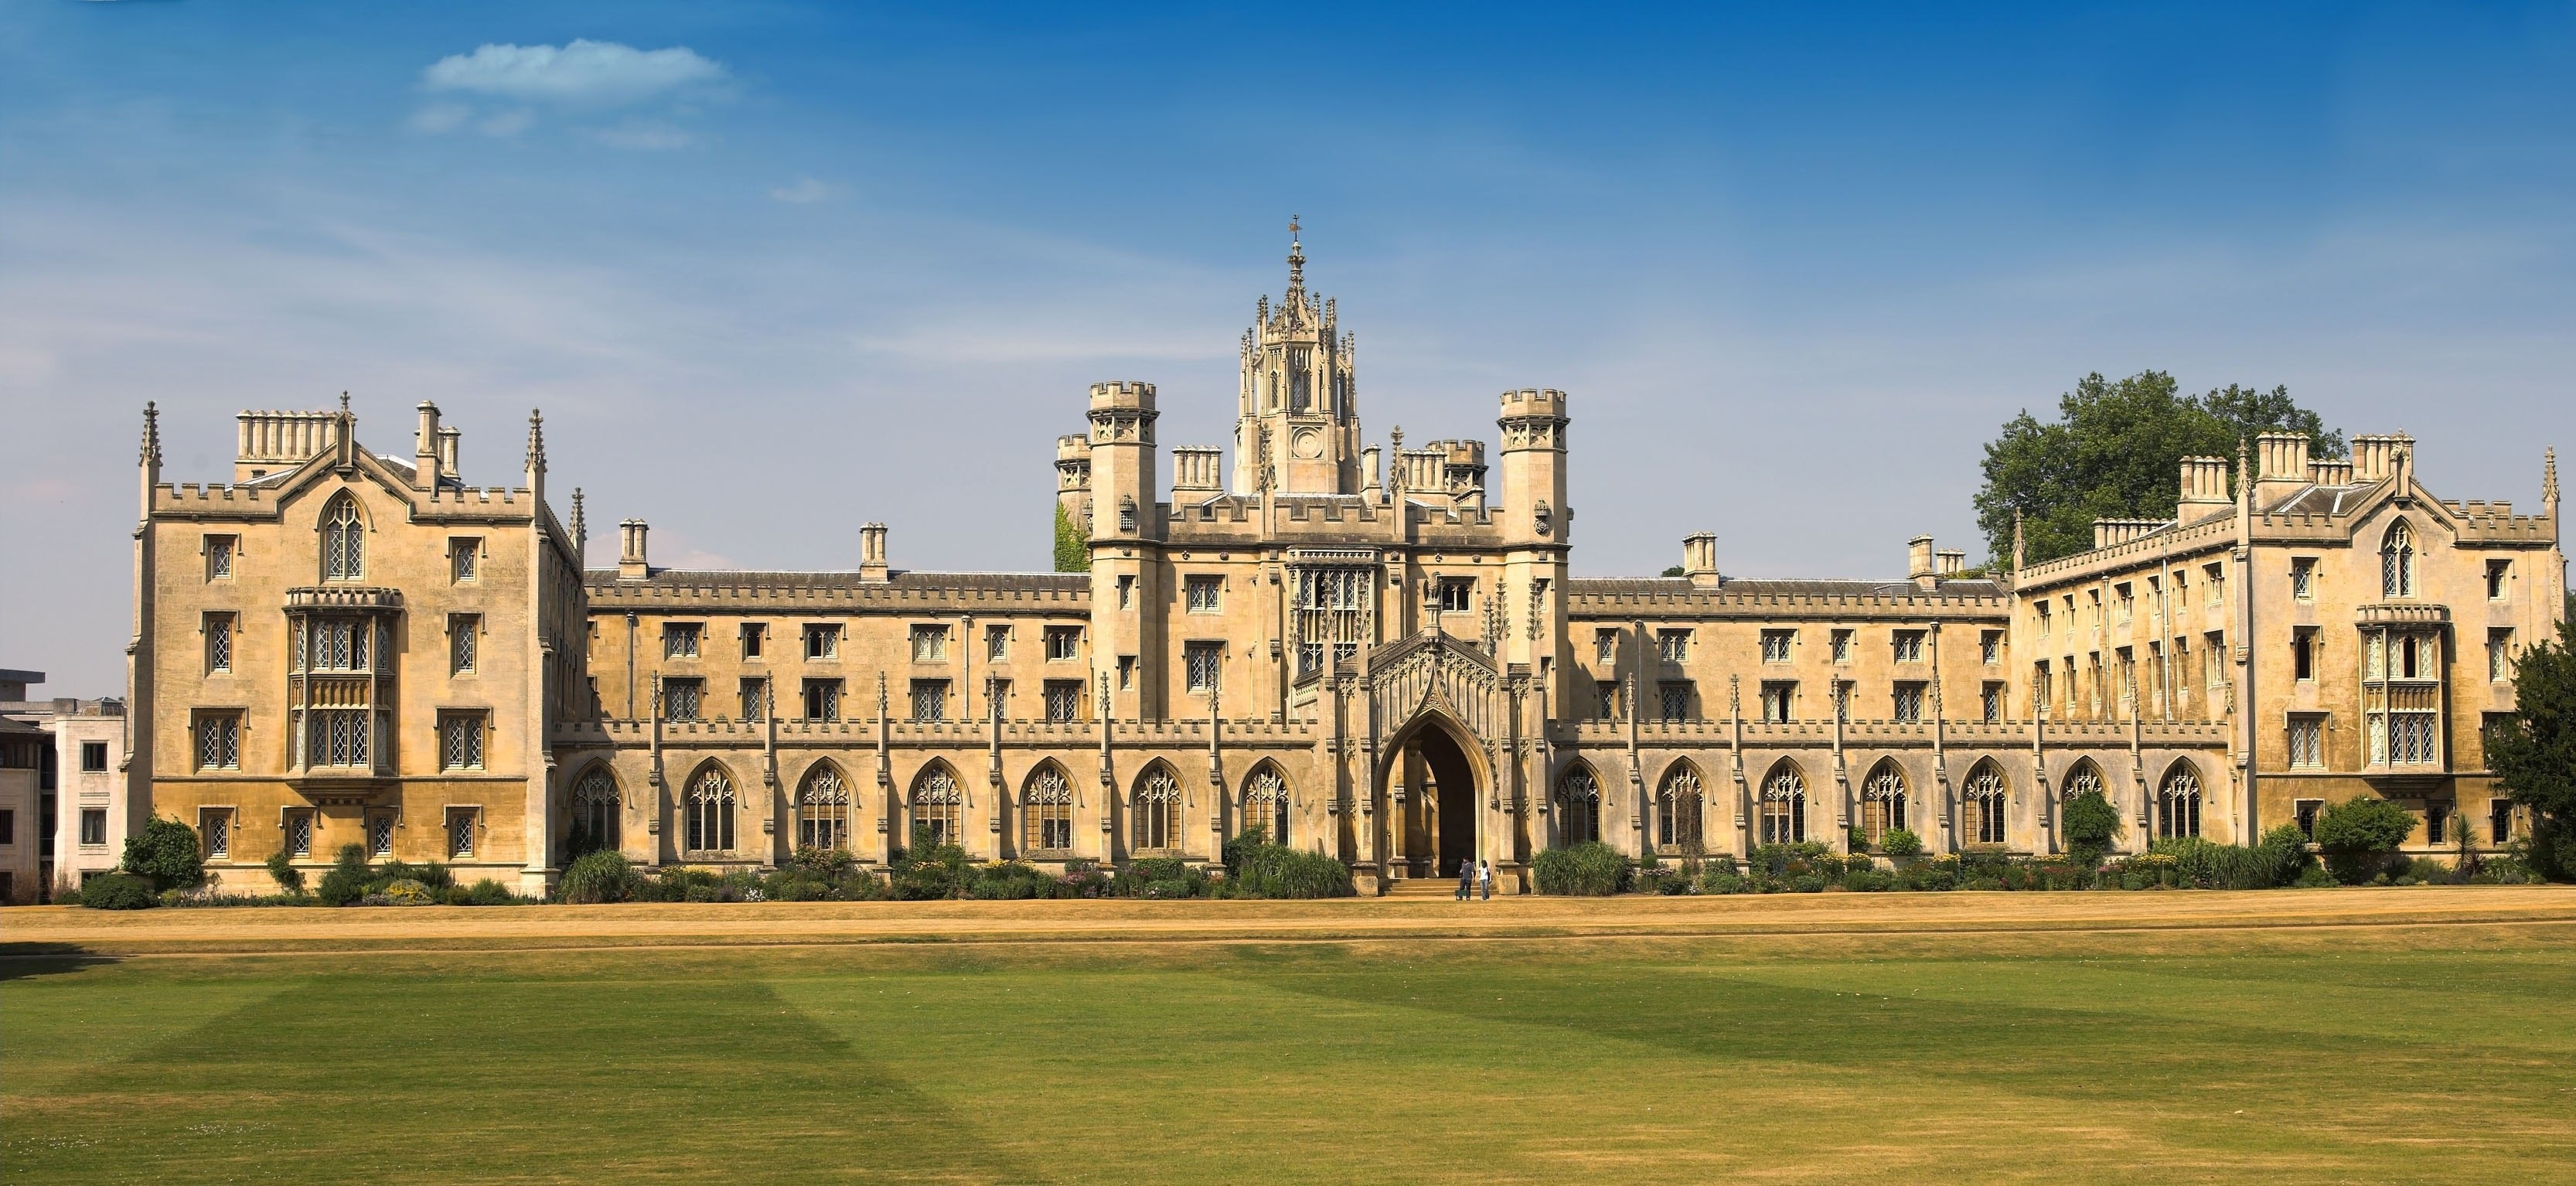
[(938, 807), (1048, 812), (215, 829), (1784, 806), (823, 811), (337, 736), (219, 642), (1332, 615), (460, 831), (1578, 806), (2083, 780), (2397, 562), (708, 812), (463, 631), (1265, 804), (343, 542), (380, 835), (1882, 803), (930, 700), (1204, 662), (1987, 797), (2178, 803), (1678, 811), (1157, 811), (299, 833), (460, 741), (596, 812)]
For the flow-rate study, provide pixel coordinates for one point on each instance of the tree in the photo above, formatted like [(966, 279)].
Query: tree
[(2115, 452), (2533, 749), (2358, 834), (2090, 822), (1072, 551), (165, 853)]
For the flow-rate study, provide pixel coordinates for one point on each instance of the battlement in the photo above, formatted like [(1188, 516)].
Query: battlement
[(1534, 401), (1125, 393)]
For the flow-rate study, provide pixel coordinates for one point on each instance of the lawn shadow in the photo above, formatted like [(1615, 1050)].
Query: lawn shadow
[(18, 961)]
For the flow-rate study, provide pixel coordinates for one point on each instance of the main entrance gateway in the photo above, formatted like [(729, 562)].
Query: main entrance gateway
[(1438, 818)]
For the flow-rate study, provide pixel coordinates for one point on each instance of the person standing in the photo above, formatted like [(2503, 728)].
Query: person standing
[(1485, 878), (1466, 881)]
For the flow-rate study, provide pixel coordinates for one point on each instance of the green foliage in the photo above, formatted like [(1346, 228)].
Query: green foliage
[(347, 880), (2202, 864), (1160, 877), (119, 891), (1663, 880), (1255, 868), (2314, 876), (1588, 870), (2358, 834), (600, 876), (2533, 749), (1900, 843), (165, 854), (1072, 550), (1674, 571), (2090, 822), (2114, 452), (281, 868)]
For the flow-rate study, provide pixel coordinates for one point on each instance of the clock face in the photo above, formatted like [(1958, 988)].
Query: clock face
[(1307, 445)]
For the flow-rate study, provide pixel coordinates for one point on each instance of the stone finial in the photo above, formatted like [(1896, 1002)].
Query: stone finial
[(1296, 259), (2018, 550), (580, 530), (536, 441), (152, 434), (2549, 478)]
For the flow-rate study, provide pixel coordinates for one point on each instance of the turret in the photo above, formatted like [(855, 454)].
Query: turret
[(1297, 426), (1533, 424), (1122, 460), (1125, 643)]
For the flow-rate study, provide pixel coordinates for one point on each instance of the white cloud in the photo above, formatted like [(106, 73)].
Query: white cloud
[(601, 73), (649, 135), (807, 190)]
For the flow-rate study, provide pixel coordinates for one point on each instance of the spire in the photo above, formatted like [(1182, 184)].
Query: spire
[(580, 529), (152, 435), (536, 441), (2017, 547), (1296, 259), (2549, 476)]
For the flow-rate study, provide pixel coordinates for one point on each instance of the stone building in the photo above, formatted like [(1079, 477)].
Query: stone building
[(1374, 653)]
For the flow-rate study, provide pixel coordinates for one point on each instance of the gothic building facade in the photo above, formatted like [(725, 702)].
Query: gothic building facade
[(1379, 654)]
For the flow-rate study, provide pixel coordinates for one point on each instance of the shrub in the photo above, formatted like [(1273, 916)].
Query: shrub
[(407, 891), (1588, 870), (1868, 881), (488, 892), (1083, 879), (119, 891), (1807, 883), (1663, 881), (1160, 877), (2090, 822), (165, 854), (2202, 864), (347, 880), (2428, 871), (603, 875), (67, 894), (2315, 877), (2358, 834), (281, 869), (1725, 880), (1901, 842), (1278, 871)]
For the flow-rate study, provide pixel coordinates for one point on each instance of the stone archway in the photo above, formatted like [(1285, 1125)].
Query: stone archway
[(1437, 770)]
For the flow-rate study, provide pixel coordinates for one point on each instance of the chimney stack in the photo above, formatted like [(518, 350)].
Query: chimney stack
[(425, 449), (872, 554), (447, 467), (2280, 466), (1699, 560), (1918, 564), (631, 565), (1950, 563), (2204, 488)]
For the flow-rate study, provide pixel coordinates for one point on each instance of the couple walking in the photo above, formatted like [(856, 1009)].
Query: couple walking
[(1474, 876)]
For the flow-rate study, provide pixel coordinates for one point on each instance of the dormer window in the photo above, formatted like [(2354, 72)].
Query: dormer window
[(343, 542)]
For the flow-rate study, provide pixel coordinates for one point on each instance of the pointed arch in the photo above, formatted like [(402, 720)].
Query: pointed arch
[(938, 804), (707, 808), (823, 807), (598, 811), (1265, 801), (1784, 803), (1680, 802), (2397, 561), (1155, 809), (1882, 801), (2083, 778), (344, 539), (1987, 797), (2178, 800), (1046, 810), (1578, 804)]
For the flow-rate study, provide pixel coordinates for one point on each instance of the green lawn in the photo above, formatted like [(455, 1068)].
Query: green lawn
[(2349, 1054)]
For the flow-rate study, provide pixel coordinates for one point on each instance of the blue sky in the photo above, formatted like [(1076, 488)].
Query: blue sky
[(776, 269)]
